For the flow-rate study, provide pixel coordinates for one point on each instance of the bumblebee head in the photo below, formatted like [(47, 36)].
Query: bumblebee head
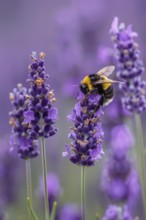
[(84, 88)]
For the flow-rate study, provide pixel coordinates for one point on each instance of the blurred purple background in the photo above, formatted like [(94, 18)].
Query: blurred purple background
[(73, 35), (70, 32)]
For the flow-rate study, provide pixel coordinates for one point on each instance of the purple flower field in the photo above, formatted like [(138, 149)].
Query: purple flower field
[(73, 143)]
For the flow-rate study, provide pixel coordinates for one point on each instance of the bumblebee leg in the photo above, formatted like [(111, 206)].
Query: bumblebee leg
[(91, 92), (85, 97), (94, 91), (101, 102)]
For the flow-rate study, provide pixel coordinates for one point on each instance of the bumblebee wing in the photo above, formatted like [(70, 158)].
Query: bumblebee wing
[(107, 71), (108, 81)]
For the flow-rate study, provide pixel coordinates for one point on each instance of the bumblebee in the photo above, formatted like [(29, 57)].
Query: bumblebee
[(99, 83)]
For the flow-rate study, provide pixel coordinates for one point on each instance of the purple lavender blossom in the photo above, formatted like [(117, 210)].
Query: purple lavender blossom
[(130, 67), (41, 115), (65, 212), (119, 178), (54, 189), (127, 214), (116, 213), (112, 213), (20, 140), (70, 212), (86, 135)]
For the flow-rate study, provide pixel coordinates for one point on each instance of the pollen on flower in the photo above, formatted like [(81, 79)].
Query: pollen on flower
[(12, 122), (82, 143), (39, 82), (84, 110), (53, 100), (26, 124), (94, 120), (33, 56), (87, 121), (94, 131), (83, 157), (28, 97), (29, 67), (73, 128), (99, 141), (11, 96), (126, 52), (136, 46), (19, 85), (142, 91), (42, 55), (51, 94)]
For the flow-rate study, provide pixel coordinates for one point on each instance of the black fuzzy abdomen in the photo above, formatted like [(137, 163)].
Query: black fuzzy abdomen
[(109, 93)]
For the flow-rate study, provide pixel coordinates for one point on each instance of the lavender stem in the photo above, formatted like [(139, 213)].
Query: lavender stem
[(31, 209), (141, 159), (54, 211), (83, 192), (44, 165), (28, 181)]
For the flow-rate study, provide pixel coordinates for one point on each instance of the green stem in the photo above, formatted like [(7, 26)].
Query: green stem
[(28, 180), (44, 165), (53, 213), (141, 159), (83, 192), (31, 209), (97, 216)]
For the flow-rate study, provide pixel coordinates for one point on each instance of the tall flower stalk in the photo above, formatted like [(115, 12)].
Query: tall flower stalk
[(141, 157), (64, 211), (130, 67), (20, 140), (28, 180), (44, 165), (41, 114), (86, 138), (83, 192)]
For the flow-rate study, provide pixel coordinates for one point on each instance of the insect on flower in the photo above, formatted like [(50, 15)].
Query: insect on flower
[(99, 83)]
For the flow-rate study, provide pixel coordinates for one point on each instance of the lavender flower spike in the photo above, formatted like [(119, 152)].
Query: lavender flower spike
[(70, 212), (130, 67), (41, 114), (116, 213), (119, 180), (86, 134), (20, 139), (113, 213)]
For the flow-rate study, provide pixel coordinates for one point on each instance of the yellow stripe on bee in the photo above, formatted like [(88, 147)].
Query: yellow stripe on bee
[(87, 82), (105, 85)]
